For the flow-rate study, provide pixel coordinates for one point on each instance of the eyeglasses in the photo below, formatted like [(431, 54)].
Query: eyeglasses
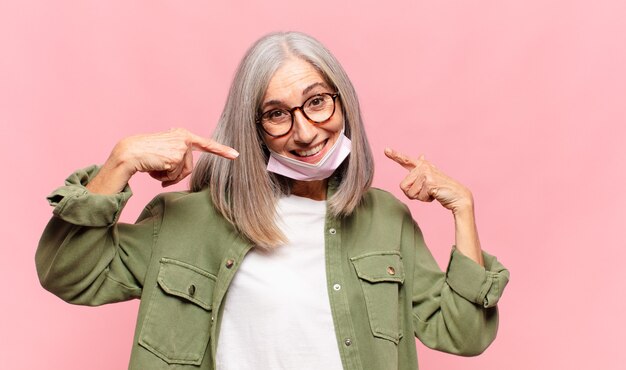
[(317, 109)]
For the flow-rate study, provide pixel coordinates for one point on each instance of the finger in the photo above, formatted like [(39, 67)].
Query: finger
[(188, 164), (166, 171), (424, 194), (409, 180), (169, 178), (164, 175), (167, 183), (212, 146), (158, 175), (414, 190), (403, 160), (184, 170), (174, 172)]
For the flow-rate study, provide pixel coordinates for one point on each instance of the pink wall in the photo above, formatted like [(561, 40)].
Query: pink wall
[(523, 101)]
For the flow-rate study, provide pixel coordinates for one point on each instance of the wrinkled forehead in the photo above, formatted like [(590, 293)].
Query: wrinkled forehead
[(294, 78)]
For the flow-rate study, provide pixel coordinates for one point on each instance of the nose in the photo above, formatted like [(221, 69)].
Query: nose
[(304, 132)]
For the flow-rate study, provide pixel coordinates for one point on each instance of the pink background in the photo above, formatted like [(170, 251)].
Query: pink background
[(522, 101)]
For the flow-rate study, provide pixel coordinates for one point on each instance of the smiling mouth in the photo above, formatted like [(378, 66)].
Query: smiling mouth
[(310, 152)]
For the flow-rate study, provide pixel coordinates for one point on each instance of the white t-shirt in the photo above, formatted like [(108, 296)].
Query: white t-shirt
[(277, 312)]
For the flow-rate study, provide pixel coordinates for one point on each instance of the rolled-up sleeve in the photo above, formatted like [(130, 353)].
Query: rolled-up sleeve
[(455, 311), (478, 284), (85, 256), (73, 203)]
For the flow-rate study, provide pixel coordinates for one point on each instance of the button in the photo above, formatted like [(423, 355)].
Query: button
[(347, 342), (229, 263), (191, 289), (391, 270), (332, 231), (212, 318), (337, 287)]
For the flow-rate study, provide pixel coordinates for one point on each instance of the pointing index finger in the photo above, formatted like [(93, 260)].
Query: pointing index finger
[(212, 146), (403, 160)]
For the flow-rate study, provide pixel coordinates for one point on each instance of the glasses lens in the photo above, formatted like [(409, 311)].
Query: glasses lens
[(319, 108), (276, 122)]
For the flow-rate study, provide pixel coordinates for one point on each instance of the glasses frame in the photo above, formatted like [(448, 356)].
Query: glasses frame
[(301, 109)]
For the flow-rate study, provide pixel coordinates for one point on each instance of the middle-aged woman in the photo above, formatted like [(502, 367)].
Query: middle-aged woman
[(281, 256)]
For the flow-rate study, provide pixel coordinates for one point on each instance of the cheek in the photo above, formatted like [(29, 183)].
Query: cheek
[(274, 144), (337, 125), (340, 117)]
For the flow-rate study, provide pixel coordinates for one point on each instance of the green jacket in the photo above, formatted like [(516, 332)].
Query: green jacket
[(181, 255)]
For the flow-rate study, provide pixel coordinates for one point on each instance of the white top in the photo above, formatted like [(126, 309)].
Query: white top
[(276, 311)]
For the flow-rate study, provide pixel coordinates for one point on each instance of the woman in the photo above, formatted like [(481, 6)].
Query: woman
[(281, 256)]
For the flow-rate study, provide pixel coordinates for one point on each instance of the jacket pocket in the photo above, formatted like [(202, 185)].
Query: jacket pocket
[(381, 274), (177, 325)]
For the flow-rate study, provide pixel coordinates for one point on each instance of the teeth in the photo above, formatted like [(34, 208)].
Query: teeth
[(310, 152)]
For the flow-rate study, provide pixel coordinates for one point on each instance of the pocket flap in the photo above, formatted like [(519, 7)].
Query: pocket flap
[(379, 266), (186, 281)]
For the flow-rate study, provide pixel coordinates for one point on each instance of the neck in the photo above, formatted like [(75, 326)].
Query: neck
[(315, 190)]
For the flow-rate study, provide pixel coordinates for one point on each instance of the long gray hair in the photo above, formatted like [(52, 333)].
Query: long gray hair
[(242, 190)]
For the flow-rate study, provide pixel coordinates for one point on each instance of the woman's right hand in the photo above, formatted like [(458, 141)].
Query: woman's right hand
[(166, 156)]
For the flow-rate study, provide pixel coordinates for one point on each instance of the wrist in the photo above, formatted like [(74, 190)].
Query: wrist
[(465, 208), (120, 161), (463, 212), (112, 176), (118, 168)]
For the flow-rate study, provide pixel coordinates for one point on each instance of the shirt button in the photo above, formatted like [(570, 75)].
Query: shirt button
[(229, 263), (212, 318), (332, 231), (192, 290), (347, 342), (337, 287), (391, 270)]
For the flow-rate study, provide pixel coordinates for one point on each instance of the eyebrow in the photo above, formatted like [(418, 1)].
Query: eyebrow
[(304, 92), (312, 86)]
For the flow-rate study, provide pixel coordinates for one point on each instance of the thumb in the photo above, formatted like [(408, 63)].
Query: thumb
[(403, 160)]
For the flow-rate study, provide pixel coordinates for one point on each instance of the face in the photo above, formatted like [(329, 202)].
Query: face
[(292, 84)]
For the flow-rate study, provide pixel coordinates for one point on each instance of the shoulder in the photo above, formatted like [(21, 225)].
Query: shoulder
[(383, 200), (187, 213), (382, 207), (185, 201)]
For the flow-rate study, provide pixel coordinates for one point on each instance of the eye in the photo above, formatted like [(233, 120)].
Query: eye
[(276, 116), (317, 101)]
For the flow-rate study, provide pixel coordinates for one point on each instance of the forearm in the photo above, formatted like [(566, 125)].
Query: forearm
[(112, 177), (466, 234)]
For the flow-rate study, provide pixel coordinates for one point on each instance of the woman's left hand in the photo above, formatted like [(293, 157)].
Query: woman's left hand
[(425, 182)]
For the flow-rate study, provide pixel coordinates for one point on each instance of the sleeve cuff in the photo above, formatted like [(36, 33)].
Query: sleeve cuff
[(481, 285), (73, 203)]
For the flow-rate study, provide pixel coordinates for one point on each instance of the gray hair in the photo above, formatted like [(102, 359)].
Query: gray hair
[(242, 190)]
